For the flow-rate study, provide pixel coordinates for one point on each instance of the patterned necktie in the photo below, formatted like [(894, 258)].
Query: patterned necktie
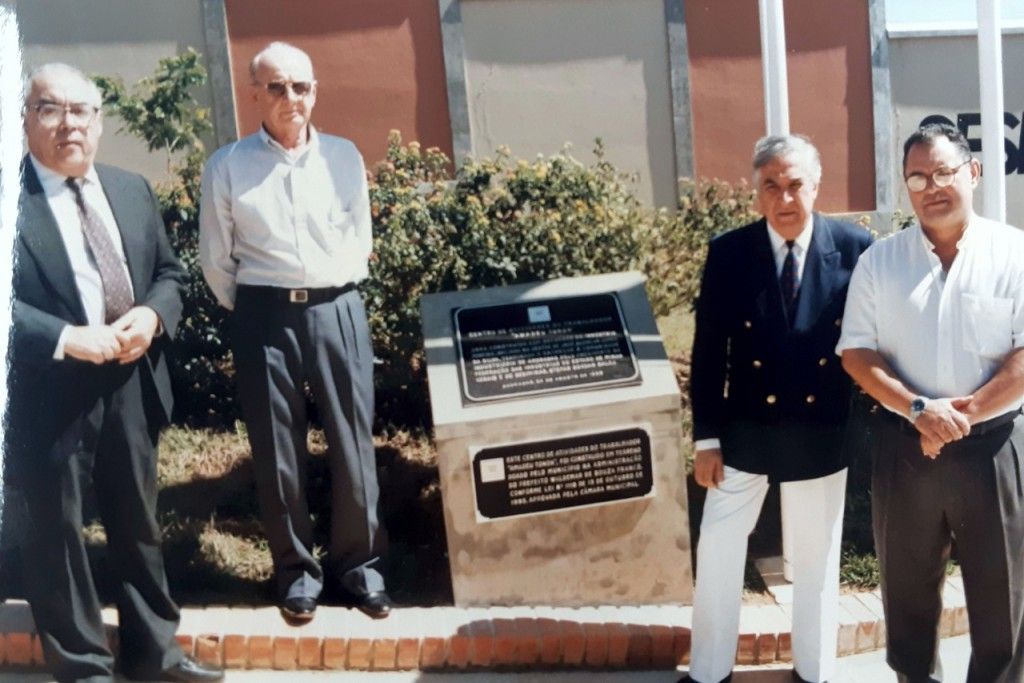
[(117, 291), (788, 281)]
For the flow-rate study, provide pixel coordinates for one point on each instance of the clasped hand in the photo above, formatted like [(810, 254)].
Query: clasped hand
[(943, 421), (124, 340)]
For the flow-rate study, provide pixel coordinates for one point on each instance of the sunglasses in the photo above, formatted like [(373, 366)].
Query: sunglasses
[(281, 88)]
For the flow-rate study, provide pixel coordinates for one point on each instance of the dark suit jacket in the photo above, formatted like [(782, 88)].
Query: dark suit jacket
[(774, 393), (47, 396)]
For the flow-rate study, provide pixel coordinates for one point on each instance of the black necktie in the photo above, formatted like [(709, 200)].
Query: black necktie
[(788, 281), (117, 291)]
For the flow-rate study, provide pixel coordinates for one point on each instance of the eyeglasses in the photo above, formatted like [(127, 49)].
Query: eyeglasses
[(943, 177), (52, 113), (281, 88)]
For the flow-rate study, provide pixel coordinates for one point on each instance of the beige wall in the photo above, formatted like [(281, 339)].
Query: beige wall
[(939, 76), (116, 38), (541, 73)]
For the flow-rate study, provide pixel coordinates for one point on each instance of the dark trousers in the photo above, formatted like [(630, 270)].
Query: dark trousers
[(971, 494), (111, 447), (279, 347)]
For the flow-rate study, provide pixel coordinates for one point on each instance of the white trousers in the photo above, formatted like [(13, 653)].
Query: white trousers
[(730, 514)]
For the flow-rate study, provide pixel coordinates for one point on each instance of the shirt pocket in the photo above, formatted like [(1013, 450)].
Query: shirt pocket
[(987, 328), (339, 226)]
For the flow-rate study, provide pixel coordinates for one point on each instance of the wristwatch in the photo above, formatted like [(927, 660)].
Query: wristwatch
[(917, 407)]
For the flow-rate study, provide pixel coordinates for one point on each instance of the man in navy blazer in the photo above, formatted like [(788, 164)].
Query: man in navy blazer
[(769, 405), (97, 296)]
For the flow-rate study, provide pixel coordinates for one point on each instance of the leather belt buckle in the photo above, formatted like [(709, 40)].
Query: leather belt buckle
[(298, 296)]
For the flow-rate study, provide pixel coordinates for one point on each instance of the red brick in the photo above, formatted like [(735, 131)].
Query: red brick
[(37, 651), (681, 645), (261, 652), (746, 649), (767, 648), (335, 653), (385, 654), (311, 653), (504, 642), (185, 642), (360, 650), (408, 654), (208, 649), (662, 647), (3, 649), (550, 641), (785, 653), (458, 648), (574, 642), (596, 653), (527, 641), (640, 646), (481, 643), (236, 651), (618, 644), (286, 653), (19, 649), (433, 653)]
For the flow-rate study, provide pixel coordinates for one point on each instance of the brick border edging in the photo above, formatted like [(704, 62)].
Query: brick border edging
[(445, 638)]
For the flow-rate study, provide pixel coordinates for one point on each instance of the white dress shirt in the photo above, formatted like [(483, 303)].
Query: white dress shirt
[(284, 218), (943, 334), (69, 221), (779, 250)]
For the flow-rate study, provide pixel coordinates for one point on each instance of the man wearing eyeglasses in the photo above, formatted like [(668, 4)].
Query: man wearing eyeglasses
[(97, 296), (933, 330), (284, 238)]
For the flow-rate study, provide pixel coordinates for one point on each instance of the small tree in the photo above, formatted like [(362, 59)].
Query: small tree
[(161, 110)]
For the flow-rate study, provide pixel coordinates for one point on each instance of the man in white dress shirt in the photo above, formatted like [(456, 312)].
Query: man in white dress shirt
[(933, 331), (285, 235)]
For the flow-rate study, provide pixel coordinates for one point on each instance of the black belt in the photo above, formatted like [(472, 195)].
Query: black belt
[(976, 429), (302, 297)]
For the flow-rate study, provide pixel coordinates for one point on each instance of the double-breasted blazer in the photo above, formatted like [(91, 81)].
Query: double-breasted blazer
[(771, 389)]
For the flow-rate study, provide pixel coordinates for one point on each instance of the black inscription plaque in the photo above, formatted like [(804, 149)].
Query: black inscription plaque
[(559, 474), (539, 347)]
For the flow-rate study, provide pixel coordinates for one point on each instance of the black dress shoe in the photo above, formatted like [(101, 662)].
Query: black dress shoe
[(798, 679), (376, 604), (188, 670), (300, 609), (687, 679)]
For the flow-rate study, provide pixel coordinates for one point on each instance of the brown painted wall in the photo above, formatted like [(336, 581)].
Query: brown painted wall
[(830, 93), (379, 66)]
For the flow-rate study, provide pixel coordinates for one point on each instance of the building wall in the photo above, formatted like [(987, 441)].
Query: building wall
[(379, 66), (937, 75), (542, 73), (123, 38), (830, 91)]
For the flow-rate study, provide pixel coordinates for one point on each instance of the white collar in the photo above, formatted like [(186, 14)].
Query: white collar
[(312, 143), (802, 240), (965, 239), (53, 182)]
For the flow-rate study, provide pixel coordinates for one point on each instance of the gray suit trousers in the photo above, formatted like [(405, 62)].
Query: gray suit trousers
[(280, 347), (973, 495)]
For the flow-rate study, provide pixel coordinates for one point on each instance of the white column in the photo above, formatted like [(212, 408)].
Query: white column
[(10, 158), (990, 77), (776, 116), (773, 62)]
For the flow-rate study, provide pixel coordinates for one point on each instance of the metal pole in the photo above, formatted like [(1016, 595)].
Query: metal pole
[(776, 117), (990, 77), (773, 61)]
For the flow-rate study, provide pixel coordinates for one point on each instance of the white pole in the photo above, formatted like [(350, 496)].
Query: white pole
[(776, 116), (773, 61), (990, 77)]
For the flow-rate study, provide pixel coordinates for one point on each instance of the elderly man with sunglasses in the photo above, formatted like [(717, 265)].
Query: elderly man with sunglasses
[(934, 330), (284, 238)]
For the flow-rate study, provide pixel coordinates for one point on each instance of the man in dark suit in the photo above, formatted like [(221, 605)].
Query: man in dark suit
[(97, 296), (769, 405)]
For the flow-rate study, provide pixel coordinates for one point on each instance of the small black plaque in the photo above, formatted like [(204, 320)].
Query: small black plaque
[(559, 474), (538, 347)]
